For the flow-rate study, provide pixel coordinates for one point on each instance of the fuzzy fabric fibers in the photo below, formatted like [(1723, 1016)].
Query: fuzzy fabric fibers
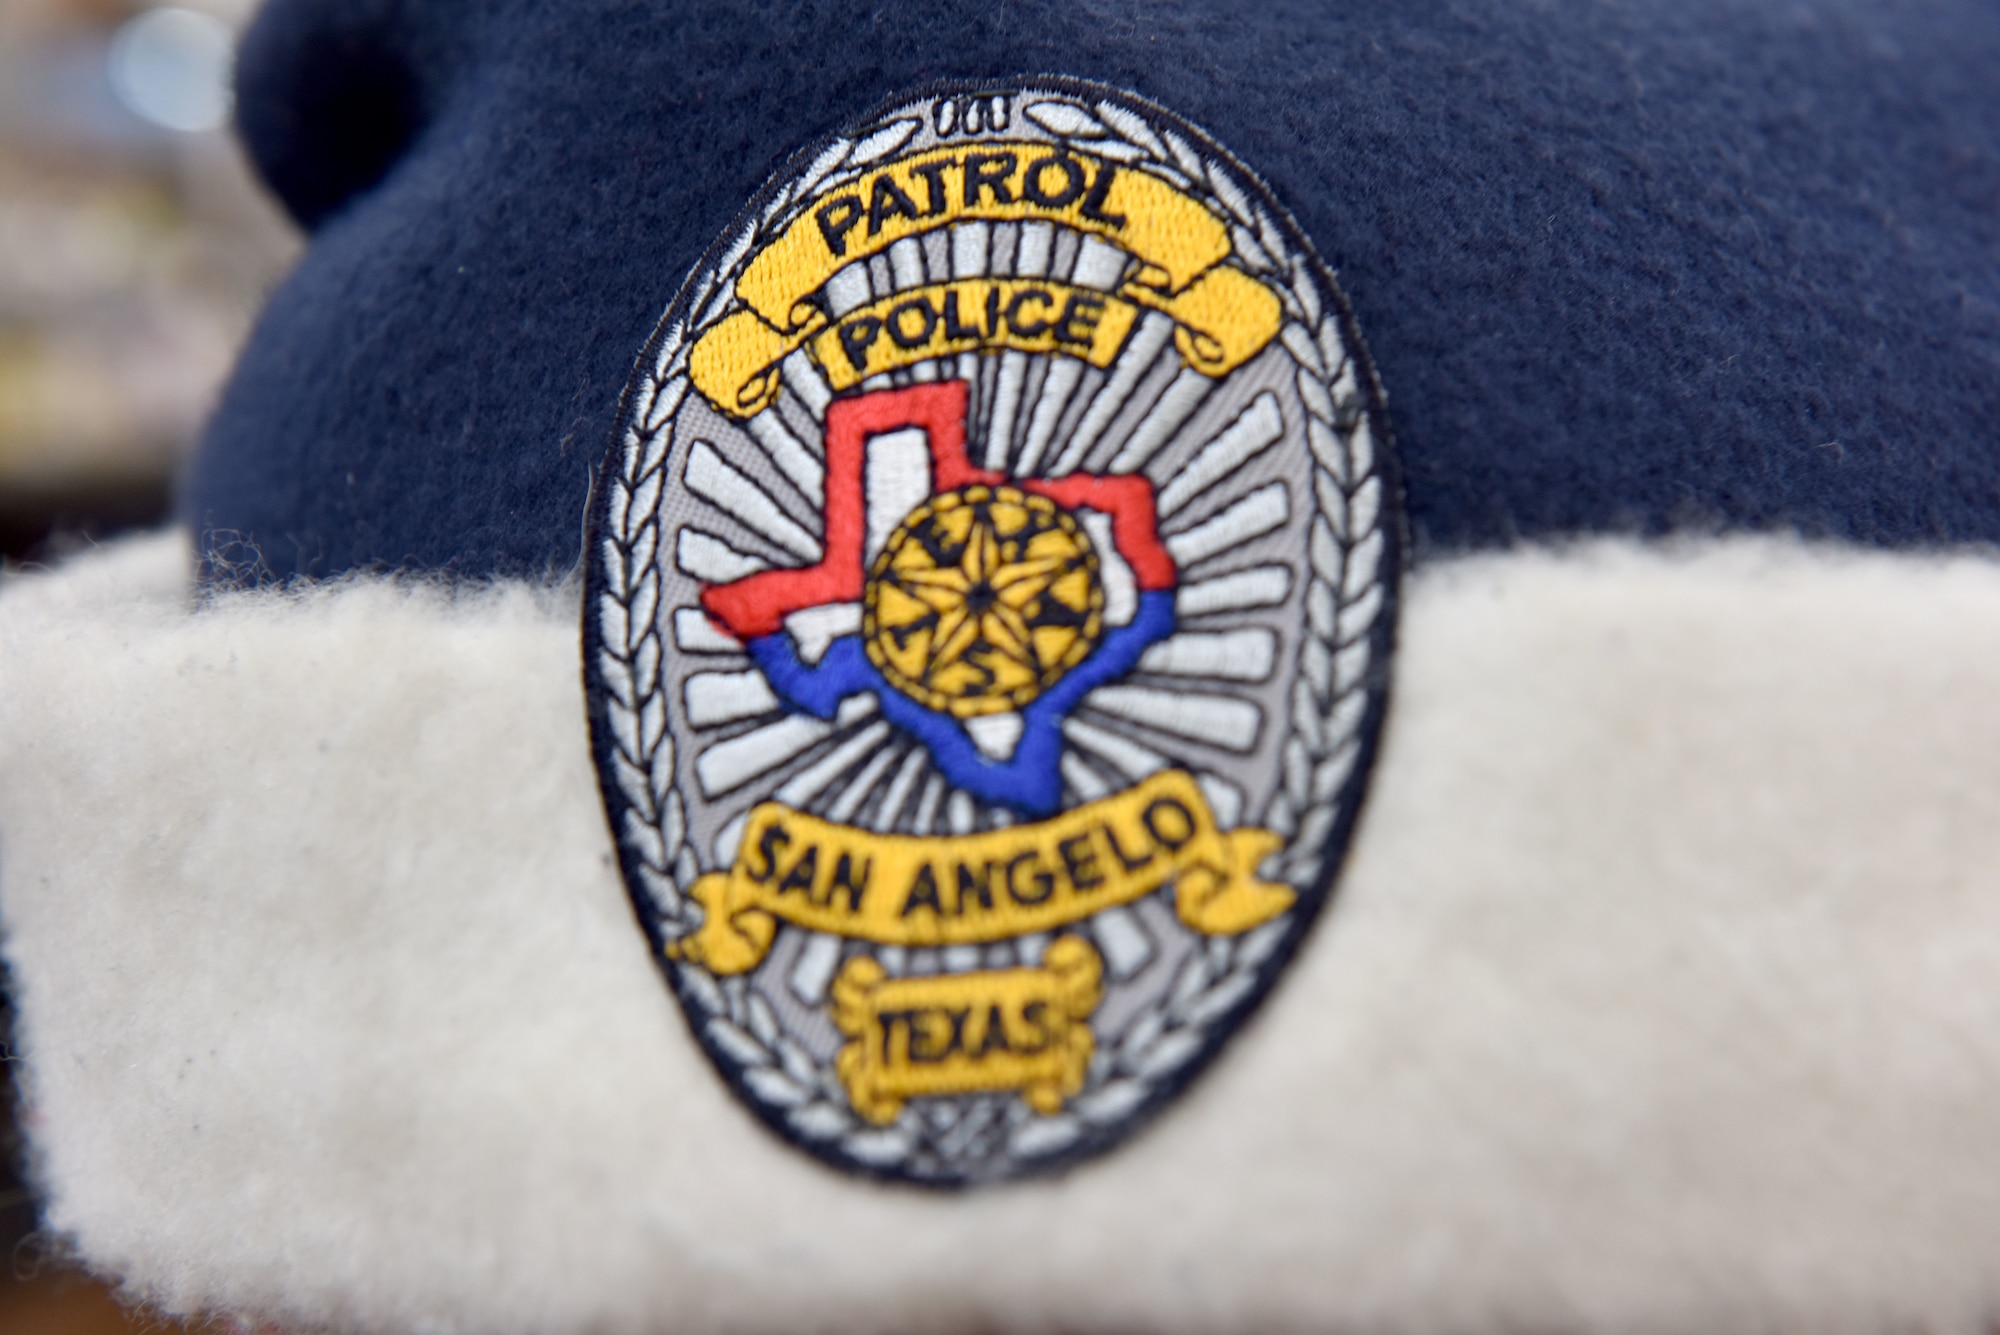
[(1661, 991)]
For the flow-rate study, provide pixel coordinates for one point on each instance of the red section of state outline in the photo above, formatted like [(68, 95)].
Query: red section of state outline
[(757, 605)]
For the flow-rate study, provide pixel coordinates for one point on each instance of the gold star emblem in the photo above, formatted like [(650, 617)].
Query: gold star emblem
[(982, 600)]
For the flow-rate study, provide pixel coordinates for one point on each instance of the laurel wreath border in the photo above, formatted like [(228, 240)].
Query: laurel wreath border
[(1335, 706)]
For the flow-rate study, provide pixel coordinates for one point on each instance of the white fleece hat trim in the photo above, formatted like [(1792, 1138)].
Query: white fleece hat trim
[(1662, 989)]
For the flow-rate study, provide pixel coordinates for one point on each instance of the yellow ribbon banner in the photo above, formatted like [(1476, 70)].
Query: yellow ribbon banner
[(962, 1033), (1028, 315), (970, 889), (1223, 315)]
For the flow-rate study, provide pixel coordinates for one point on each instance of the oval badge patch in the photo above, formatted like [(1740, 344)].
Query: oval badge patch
[(991, 592)]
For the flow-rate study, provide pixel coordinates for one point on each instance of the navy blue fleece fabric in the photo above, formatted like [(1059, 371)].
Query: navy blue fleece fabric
[(1622, 266)]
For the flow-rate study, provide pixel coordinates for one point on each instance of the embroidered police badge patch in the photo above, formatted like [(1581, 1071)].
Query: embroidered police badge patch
[(991, 593)]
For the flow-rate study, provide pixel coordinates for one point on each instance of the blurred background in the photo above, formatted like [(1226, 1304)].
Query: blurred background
[(135, 250)]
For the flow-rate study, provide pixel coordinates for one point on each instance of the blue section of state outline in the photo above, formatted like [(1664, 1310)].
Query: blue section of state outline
[(1031, 780)]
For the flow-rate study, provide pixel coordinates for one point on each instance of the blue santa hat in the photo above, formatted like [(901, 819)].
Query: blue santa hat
[(758, 712)]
